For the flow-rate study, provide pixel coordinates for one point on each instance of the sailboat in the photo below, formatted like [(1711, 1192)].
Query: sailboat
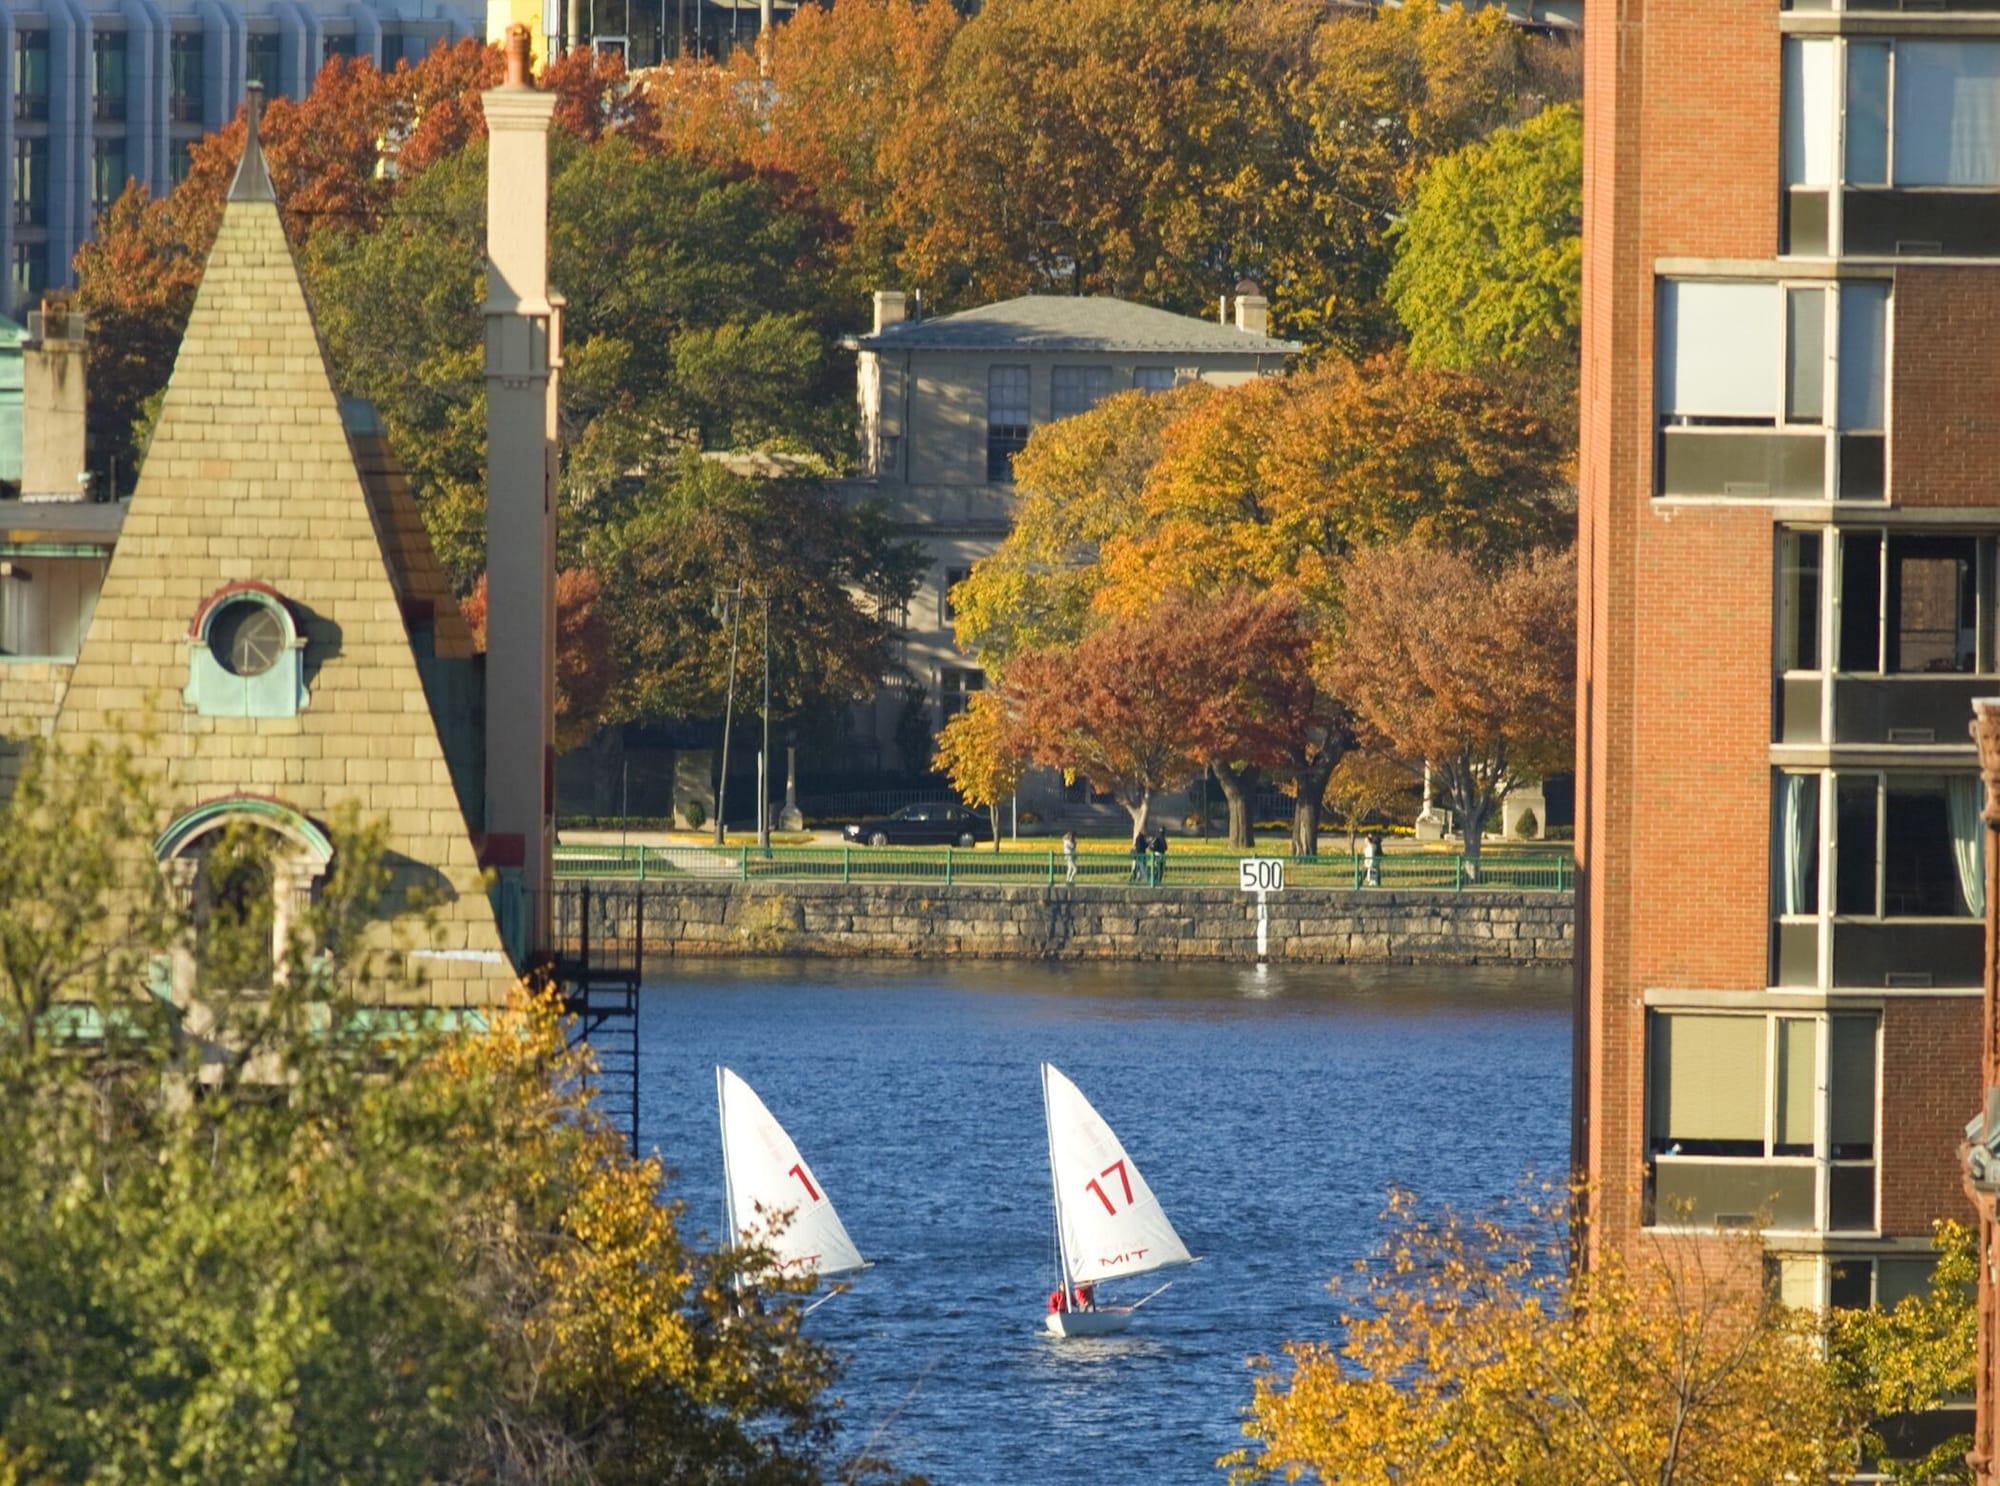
[(763, 1173), (1109, 1225)]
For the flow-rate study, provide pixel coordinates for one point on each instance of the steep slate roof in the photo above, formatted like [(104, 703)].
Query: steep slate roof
[(1061, 322), (251, 477)]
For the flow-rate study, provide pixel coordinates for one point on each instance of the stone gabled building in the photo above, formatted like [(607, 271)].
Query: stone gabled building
[(273, 635)]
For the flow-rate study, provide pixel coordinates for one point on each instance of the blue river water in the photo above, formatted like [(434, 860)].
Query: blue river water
[(1271, 1113)]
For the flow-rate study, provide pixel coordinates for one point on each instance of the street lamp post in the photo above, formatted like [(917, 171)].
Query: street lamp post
[(1980, 1154), (735, 604)]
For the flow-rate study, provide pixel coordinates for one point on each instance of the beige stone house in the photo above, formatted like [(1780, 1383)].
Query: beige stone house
[(945, 404)]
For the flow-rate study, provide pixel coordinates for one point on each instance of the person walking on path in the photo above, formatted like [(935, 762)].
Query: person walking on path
[(1159, 871), (1371, 859), (1139, 844), (1069, 856)]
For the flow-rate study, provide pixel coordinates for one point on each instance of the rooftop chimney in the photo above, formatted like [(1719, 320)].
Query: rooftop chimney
[(1253, 310), (52, 404), (891, 308), (523, 360)]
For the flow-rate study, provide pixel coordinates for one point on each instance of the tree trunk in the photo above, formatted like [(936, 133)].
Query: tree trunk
[(1473, 805), (1239, 789), (1311, 782), (1140, 809), (993, 813)]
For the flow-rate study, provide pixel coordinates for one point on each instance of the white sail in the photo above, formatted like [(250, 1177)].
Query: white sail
[(764, 1174), (1111, 1223)]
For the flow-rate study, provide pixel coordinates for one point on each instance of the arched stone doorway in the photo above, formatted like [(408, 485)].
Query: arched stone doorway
[(250, 862)]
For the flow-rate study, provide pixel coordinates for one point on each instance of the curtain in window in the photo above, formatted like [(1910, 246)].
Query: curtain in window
[(1719, 346), (1799, 843), (1963, 802), (1947, 113)]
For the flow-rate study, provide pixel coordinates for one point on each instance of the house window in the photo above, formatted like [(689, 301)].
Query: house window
[(264, 64), (1915, 604), (957, 685), (952, 578), (31, 75), (1769, 390), (1849, 1282), (107, 74), (1077, 389), (31, 182), (27, 275), (186, 78), (1006, 419), (1762, 1121), (1153, 378)]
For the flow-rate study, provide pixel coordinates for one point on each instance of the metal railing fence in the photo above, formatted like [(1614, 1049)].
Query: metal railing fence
[(1413, 871)]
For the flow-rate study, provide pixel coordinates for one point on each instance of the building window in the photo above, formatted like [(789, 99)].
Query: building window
[(1007, 419), (1901, 133), (107, 75), (888, 449), (107, 172), (27, 276), (340, 46), (1849, 1282), (1077, 389), (180, 161), (1153, 378), (1769, 390), (31, 75), (952, 578), (1877, 879), (31, 182), (187, 78), (264, 63), (957, 685), (1762, 1121), (246, 656)]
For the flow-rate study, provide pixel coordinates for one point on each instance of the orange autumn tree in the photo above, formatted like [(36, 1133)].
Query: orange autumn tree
[(982, 752), (1470, 1351), (1463, 667)]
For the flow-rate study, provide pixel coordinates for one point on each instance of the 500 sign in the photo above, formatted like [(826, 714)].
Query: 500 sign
[(1261, 875)]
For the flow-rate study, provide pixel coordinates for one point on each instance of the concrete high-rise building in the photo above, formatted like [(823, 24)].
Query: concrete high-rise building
[(1790, 564), (97, 92)]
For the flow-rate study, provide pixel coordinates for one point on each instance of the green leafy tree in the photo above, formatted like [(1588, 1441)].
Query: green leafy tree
[(982, 752), (390, 1250), (1489, 257)]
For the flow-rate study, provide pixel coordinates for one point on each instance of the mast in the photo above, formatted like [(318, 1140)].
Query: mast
[(1055, 1184), (728, 1190)]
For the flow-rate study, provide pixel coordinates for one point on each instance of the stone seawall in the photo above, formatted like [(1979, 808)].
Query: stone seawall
[(916, 921)]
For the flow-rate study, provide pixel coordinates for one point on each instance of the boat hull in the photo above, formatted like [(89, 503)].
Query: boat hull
[(1105, 1321)]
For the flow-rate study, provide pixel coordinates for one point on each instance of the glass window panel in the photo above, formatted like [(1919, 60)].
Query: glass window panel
[(1851, 1091), (1864, 335), (1798, 843), (1860, 601), (1798, 601), (1006, 419), (1933, 614), (1810, 114), (1898, 1279), (1708, 1085), (1798, 1042), (1849, 1288), (1867, 113), (1851, 1199), (1719, 349), (1854, 838), (1700, 1194), (1077, 389), (1919, 867), (1947, 113), (1805, 356), (1153, 378)]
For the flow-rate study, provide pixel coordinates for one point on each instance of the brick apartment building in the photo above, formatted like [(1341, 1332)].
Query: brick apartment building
[(1790, 563)]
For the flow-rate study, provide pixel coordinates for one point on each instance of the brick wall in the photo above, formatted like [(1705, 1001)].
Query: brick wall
[(1930, 1088), (1944, 417), (31, 693)]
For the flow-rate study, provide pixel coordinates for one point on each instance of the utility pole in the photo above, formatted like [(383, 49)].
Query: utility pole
[(735, 603), (764, 753)]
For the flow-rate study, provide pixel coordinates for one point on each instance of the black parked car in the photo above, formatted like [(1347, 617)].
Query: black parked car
[(924, 825)]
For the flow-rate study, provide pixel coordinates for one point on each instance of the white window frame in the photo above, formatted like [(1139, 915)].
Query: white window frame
[(1821, 1160)]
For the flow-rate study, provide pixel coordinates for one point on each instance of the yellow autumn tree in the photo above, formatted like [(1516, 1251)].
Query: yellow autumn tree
[(982, 752), (1470, 1352)]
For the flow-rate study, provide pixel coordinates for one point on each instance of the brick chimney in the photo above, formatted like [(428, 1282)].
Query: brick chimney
[(52, 404), (523, 360), (891, 308), (1253, 310)]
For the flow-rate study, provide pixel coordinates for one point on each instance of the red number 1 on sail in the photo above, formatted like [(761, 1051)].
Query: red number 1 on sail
[(1124, 1181), (805, 1181)]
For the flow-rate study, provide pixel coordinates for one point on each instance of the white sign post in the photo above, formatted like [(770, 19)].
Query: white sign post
[(1262, 876)]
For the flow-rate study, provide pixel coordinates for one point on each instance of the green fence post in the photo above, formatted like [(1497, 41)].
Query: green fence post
[(643, 852), (742, 864), (947, 866), (846, 864), (1458, 873)]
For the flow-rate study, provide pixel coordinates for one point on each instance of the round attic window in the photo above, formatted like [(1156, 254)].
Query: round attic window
[(246, 637)]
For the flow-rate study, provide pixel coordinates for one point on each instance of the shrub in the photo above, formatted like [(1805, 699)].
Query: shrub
[(1526, 826), (695, 813)]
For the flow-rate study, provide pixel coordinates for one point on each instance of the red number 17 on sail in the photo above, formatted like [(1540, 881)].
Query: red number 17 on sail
[(1123, 1180)]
